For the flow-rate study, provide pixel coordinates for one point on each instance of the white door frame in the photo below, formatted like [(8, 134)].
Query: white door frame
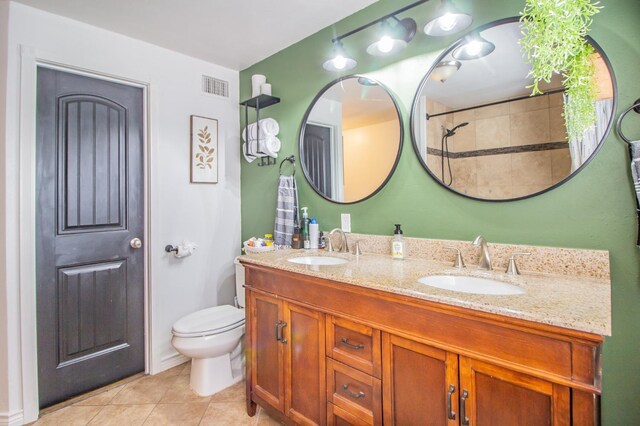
[(31, 58)]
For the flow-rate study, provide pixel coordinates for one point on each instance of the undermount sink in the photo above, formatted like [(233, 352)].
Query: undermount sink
[(473, 285), (318, 260)]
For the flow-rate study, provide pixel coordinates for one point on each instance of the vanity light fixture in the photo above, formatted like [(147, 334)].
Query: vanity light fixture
[(473, 47), (444, 70), (340, 61), (449, 20), (393, 39)]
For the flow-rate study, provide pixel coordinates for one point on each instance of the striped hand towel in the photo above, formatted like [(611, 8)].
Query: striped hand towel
[(634, 150), (286, 211)]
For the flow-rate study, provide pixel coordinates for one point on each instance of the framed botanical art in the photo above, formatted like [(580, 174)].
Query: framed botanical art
[(204, 150)]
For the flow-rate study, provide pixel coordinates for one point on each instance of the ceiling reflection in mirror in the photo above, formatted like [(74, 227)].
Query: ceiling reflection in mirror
[(478, 131), (350, 139)]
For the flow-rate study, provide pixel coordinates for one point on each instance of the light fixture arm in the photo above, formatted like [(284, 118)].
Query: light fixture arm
[(379, 20)]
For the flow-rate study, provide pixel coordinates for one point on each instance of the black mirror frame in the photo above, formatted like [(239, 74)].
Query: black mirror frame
[(455, 44), (306, 117)]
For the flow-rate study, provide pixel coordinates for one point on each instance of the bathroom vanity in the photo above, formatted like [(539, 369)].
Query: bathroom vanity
[(364, 343)]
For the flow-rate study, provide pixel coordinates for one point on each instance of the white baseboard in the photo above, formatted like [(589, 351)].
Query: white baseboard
[(169, 362), (11, 419)]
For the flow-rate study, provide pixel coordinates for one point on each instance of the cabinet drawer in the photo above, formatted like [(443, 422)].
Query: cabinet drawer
[(354, 344), (354, 392), (336, 416)]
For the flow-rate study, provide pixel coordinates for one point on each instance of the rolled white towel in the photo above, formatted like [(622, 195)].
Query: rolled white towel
[(268, 127), (247, 156), (272, 145)]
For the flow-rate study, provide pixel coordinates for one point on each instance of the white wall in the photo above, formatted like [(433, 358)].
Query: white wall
[(208, 215)]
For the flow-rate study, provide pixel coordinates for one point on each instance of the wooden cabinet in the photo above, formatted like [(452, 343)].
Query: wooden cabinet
[(287, 358), (322, 352), (420, 383), (492, 395)]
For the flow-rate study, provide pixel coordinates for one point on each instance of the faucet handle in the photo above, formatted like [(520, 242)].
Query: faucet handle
[(327, 241), (459, 262), (512, 267), (357, 250)]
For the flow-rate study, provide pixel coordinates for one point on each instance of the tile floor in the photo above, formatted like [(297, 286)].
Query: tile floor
[(163, 399)]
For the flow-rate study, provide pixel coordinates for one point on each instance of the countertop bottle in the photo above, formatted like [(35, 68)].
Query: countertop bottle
[(296, 240), (397, 245), (314, 233), (305, 227)]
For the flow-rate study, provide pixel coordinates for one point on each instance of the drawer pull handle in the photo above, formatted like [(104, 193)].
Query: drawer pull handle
[(450, 413), (358, 395), (356, 347), (463, 408)]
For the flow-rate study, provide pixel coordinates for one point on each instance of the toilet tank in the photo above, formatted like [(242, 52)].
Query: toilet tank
[(239, 282)]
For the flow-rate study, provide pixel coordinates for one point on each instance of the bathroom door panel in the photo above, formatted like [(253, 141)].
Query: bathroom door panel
[(267, 352), (90, 281)]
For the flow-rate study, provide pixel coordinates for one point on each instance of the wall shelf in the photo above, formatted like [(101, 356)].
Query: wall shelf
[(259, 102)]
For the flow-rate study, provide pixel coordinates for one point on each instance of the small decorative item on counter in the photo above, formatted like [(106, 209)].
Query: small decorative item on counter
[(258, 245), (397, 245), (268, 239), (296, 240)]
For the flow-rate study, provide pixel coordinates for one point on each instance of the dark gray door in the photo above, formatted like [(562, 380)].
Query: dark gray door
[(90, 280), (317, 152)]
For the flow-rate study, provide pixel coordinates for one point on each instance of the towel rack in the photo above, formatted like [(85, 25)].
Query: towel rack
[(635, 107), (292, 160)]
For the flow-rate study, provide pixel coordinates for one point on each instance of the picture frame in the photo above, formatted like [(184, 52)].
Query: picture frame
[(204, 153)]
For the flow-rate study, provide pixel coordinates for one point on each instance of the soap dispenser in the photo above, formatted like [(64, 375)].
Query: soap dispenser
[(397, 245)]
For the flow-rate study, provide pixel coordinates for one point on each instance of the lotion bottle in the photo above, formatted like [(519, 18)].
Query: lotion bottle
[(314, 233), (397, 245)]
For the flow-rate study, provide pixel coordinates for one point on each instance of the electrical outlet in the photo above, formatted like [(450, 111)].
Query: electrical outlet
[(345, 222)]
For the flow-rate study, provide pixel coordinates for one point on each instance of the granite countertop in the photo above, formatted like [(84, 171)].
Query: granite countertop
[(577, 303)]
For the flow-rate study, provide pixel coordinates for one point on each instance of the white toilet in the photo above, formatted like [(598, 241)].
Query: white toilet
[(212, 338)]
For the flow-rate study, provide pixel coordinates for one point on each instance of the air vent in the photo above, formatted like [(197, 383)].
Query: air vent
[(214, 86)]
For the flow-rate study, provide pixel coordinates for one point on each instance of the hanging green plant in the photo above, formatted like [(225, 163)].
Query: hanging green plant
[(554, 42)]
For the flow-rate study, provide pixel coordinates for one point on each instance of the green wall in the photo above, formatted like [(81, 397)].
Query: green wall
[(594, 210)]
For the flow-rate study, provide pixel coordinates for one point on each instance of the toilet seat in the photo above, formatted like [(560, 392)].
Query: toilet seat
[(210, 321)]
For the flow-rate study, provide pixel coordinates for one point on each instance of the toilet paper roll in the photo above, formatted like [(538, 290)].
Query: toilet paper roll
[(256, 81), (265, 89)]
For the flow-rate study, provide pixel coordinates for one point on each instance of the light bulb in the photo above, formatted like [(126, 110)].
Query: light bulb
[(339, 62), (385, 44), (447, 22), (473, 48)]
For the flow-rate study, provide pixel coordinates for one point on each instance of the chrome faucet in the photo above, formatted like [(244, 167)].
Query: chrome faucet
[(344, 246), (485, 257)]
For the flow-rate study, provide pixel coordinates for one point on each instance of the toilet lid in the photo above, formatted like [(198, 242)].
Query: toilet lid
[(209, 321)]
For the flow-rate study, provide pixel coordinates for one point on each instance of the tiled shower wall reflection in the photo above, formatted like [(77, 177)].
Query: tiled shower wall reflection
[(530, 121)]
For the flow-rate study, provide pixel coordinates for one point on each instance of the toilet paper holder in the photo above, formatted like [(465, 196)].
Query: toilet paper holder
[(169, 248)]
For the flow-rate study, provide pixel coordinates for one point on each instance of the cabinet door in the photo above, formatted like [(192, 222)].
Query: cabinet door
[(420, 383), (493, 395), (306, 402), (267, 352)]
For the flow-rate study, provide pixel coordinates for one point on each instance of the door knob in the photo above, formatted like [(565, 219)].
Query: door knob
[(136, 243)]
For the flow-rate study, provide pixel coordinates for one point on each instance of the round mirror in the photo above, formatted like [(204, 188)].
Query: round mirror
[(477, 130), (350, 139)]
